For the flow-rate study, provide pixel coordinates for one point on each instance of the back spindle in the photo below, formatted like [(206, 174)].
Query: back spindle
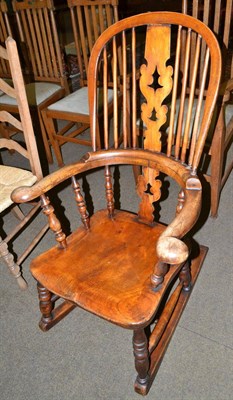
[(109, 191)]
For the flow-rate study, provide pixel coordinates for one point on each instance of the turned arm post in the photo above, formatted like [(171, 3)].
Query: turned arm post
[(81, 203), (54, 222)]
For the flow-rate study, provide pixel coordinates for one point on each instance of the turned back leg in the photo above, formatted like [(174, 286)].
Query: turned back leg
[(141, 355)]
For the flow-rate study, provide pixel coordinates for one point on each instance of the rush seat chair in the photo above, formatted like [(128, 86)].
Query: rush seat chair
[(13, 176)]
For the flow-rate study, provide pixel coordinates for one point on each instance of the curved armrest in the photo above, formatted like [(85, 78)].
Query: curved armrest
[(99, 159), (170, 249)]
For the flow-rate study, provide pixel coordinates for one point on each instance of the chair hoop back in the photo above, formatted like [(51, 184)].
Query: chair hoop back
[(157, 57)]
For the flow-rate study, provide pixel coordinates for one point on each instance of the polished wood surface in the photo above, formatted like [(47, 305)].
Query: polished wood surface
[(129, 268)]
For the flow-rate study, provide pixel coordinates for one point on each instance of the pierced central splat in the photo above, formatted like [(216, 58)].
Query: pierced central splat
[(156, 85)]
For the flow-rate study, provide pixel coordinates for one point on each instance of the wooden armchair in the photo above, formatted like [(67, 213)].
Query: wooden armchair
[(89, 19), (218, 15), (12, 177), (38, 32), (127, 267)]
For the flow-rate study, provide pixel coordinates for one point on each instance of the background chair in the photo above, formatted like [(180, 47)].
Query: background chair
[(127, 267), (38, 32), (89, 19), (5, 73), (218, 15), (12, 177), (5, 31)]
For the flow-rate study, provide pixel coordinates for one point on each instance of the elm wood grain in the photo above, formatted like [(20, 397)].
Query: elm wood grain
[(130, 269), (91, 266)]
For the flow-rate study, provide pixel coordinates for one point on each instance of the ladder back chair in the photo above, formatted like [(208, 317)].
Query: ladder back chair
[(10, 176), (38, 32), (218, 15), (89, 19), (127, 267)]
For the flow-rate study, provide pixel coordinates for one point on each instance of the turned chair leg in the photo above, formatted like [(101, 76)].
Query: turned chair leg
[(185, 277), (13, 267), (141, 355), (46, 305), (51, 131)]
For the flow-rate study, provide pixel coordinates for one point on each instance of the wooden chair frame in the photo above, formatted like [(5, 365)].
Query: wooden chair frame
[(38, 33), (119, 265), (24, 125), (89, 19)]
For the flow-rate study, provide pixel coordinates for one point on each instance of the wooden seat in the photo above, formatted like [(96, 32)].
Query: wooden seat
[(38, 34), (218, 15), (12, 176), (117, 293), (129, 268), (89, 19)]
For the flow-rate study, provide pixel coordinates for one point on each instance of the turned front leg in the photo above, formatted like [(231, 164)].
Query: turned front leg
[(185, 277), (158, 275), (141, 354), (45, 303)]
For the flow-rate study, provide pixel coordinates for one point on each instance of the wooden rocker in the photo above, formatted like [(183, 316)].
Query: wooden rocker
[(127, 267)]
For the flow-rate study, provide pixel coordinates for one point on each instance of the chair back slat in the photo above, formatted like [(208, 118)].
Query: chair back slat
[(124, 83), (115, 98), (227, 24), (183, 94), (218, 15), (134, 90), (5, 31), (191, 100), (89, 19), (24, 124), (178, 60), (198, 110), (105, 94), (38, 31)]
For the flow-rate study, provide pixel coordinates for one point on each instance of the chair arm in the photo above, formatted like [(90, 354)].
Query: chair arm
[(97, 159), (170, 249), (25, 194)]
